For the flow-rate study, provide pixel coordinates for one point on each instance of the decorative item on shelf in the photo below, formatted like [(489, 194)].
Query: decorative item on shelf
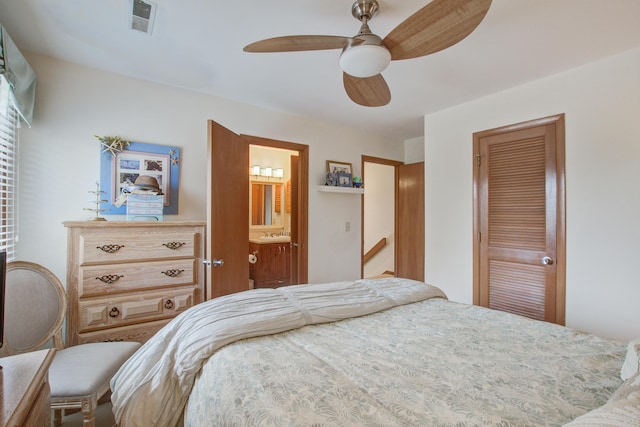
[(97, 202), (357, 182), (113, 144), (340, 173), (344, 179), (331, 179)]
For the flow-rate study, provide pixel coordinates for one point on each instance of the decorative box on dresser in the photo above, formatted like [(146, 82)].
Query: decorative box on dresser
[(125, 280), (25, 396)]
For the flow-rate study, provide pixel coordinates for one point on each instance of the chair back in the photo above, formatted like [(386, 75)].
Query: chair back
[(35, 306)]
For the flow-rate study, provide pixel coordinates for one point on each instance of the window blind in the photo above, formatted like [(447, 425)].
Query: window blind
[(8, 178)]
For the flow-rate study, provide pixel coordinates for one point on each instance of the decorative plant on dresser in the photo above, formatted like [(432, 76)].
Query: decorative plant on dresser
[(125, 280)]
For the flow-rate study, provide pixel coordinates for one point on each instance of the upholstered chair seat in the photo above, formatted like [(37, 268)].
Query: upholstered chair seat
[(79, 375), (82, 373)]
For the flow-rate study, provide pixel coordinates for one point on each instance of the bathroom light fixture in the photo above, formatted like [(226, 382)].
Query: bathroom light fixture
[(267, 172)]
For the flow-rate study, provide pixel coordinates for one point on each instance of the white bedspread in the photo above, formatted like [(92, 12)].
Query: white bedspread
[(152, 387), (433, 363)]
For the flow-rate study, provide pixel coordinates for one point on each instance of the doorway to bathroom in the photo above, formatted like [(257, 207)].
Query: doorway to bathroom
[(272, 213), (228, 209)]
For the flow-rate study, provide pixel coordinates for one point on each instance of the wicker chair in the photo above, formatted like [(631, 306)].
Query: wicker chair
[(79, 375)]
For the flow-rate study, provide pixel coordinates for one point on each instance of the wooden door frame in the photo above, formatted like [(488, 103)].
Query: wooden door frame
[(303, 197), (558, 121), (395, 164)]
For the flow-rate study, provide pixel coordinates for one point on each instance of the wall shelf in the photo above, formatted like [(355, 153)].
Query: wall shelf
[(346, 190)]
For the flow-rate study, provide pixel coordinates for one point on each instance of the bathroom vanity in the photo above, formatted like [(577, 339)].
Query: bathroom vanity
[(272, 268)]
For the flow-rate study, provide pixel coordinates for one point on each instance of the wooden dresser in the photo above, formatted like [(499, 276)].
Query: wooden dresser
[(25, 397), (125, 280)]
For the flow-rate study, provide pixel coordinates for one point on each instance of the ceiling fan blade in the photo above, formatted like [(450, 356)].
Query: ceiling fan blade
[(300, 43), (438, 25), (368, 91)]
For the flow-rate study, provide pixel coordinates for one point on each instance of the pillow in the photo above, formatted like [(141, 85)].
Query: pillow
[(630, 386), (622, 409), (631, 361)]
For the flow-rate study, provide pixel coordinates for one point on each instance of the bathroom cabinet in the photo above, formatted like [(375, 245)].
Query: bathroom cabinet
[(273, 267)]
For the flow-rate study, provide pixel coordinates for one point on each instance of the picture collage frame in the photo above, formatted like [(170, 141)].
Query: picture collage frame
[(339, 174)]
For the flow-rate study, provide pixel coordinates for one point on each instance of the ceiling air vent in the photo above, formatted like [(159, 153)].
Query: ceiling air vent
[(144, 14)]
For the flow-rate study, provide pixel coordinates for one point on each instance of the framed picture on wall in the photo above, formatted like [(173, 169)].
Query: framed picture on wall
[(129, 165), (122, 169), (337, 167)]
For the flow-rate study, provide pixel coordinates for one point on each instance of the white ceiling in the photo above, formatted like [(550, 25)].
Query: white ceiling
[(197, 45)]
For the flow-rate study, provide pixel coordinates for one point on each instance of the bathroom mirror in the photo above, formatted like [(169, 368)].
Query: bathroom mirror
[(267, 203)]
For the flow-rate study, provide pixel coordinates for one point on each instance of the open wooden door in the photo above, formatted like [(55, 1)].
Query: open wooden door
[(227, 212), (410, 221)]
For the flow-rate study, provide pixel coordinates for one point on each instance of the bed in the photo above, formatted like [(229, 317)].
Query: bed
[(383, 352)]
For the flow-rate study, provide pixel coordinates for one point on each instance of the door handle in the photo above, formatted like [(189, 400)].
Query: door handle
[(546, 260), (215, 263)]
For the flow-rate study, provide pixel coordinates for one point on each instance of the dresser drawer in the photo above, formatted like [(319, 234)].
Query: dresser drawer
[(112, 312), (98, 248), (109, 279), (137, 332)]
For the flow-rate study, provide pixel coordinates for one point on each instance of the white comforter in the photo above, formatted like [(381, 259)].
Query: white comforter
[(152, 387)]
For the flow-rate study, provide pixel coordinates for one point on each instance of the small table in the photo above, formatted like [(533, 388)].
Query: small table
[(25, 396)]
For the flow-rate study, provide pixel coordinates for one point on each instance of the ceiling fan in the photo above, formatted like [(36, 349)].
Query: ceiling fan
[(437, 26)]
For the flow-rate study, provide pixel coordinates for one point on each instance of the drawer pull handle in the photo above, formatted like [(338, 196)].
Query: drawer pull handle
[(109, 278), (172, 273), (168, 304), (114, 312), (174, 245), (110, 249)]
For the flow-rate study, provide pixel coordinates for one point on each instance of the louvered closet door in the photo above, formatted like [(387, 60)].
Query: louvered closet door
[(517, 196)]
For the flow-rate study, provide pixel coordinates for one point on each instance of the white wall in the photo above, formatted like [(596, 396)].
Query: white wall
[(60, 158), (602, 105), (414, 150)]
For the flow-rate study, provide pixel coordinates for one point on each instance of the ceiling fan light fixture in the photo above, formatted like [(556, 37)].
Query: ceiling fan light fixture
[(365, 60)]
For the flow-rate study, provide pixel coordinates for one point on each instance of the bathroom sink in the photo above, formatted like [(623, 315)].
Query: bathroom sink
[(275, 239)]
